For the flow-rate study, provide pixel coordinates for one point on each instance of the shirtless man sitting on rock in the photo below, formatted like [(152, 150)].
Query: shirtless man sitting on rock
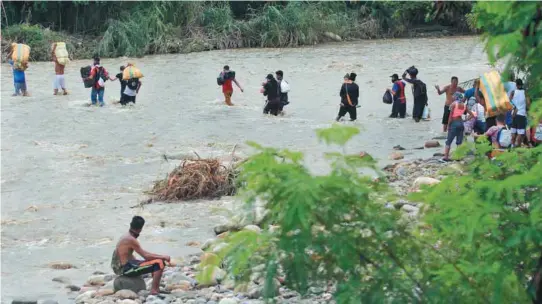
[(124, 263)]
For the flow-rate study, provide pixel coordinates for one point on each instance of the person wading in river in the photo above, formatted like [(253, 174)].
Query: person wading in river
[(398, 108), (284, 89), (271, 89), (349, 97), (124, 263), (100, 75), (59, 83), (225, 79), (419, 91), (450, 90)]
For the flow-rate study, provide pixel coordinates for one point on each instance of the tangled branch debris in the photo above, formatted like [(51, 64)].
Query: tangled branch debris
[(194, 179)]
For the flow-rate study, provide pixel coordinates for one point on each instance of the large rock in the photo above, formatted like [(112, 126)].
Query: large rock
[(134, 284), (424, 180), (228, 301), (432, 144), (396, 156), (63, 280), (85, 297), (96, 280), (253, 228), (126, 294)]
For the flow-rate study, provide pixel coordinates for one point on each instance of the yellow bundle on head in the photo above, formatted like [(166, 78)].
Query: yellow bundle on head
[(20, 55), (495, 96), (131, 72), (61, 53)]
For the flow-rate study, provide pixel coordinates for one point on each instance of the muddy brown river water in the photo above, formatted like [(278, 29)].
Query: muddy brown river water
[(70, 173)]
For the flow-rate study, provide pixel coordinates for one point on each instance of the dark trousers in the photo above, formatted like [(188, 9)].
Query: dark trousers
[(351, 110), (490, 122), (417, 112), (272, 107), (398, 109)]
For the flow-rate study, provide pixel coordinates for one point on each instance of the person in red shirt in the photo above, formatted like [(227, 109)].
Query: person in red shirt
[(100, 75), (227, 85)]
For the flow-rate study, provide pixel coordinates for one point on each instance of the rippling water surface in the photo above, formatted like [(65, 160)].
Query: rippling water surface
[(70, 173)]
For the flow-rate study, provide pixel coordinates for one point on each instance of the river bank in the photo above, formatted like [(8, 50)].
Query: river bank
[(71, 173), (182, 282)]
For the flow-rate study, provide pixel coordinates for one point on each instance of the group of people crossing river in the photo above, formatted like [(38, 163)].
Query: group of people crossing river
[(465, 112)]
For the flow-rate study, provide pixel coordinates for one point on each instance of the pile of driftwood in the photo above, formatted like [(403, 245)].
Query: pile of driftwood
[(196, 178)]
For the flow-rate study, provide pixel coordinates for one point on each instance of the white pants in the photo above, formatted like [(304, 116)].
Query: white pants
[(59, 83)]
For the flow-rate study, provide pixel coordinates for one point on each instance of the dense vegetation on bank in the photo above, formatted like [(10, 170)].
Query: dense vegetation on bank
[(113, 29)]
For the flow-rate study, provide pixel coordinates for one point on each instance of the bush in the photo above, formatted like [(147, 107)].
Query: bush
[(40, 41)]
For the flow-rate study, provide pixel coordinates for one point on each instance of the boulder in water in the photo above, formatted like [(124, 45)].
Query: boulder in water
[(333, 36), (397, 156), (134, 284), (432, 144)]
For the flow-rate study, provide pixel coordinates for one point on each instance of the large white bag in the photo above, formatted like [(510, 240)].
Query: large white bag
[(284, 87), (426, 113)]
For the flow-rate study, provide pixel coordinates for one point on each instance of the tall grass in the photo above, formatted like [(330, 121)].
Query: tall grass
[(139, 28)]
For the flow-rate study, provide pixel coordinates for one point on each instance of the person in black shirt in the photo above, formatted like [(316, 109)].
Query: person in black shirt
[(122, 84), (271, 89), (349, 97)]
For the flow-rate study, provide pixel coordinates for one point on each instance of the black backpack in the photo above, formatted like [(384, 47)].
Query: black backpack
[(220, 79), (419, 90), (133, 83)]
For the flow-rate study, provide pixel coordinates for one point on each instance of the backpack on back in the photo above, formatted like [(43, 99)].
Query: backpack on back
[(419, 90), (220, 79), (85, 73), (133, 84), (504, 138)]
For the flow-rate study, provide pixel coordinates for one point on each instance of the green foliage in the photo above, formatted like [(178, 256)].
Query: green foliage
[(172, 27)]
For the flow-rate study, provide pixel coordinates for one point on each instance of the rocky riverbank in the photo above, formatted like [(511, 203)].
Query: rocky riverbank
[(182, 285)]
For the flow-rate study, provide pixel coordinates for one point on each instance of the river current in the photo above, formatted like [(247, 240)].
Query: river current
[(72, 174)]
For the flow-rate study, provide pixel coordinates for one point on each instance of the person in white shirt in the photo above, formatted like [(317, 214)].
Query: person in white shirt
[(519, 121)]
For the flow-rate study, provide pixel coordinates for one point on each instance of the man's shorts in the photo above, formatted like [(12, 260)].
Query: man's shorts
[(135, 268), (446, 115), (127, 99), (519, 124)]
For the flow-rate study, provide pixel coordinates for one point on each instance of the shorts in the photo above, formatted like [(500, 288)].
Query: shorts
[(59, 83), (135, 268), (126, 99), (519, 124), (20, 86), (446, 115)]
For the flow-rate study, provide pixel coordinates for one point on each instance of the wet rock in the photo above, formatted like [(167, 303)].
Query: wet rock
[(228, 301), (193, 244), (221, 228), (61, 265), (424, 180), (398, 148), (47, 301), (442, 137), (255, 292), (208, 244), (98, 272), (96, 280), (73, 287), (253, 228), (104, 292), (432, 144), (195, 259), (85, 297), (143, 293), (154, 300), (396, 156), (223, 235), (134, 284), (438, 154), (127, 301), (126, 294), (181, 285), (63, 280), (24, 301)]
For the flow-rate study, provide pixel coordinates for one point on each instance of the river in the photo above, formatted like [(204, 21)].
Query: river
[(71, 173)]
